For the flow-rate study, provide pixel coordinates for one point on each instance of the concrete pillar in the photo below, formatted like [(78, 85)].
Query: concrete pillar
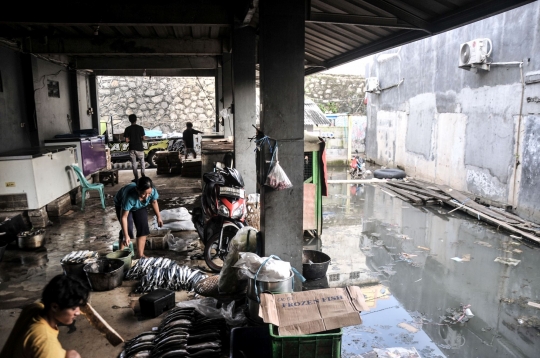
[(29, 93), (244, 58), (281, 56), (74, 100), (227, 93)]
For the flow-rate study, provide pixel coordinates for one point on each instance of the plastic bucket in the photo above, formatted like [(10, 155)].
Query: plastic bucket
[(318, 266), (124, 255), (280, 286), (105, 274)]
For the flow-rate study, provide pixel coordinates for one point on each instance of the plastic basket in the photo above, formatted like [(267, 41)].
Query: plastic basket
[(318, 345)]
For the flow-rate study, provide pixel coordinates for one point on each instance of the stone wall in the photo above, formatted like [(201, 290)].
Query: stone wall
[(337, 93), (160, 103)]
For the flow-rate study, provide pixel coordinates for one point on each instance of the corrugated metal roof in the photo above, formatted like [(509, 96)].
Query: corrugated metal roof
[(336, 31), (313, 114)]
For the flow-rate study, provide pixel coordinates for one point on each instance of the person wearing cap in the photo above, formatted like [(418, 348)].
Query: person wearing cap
[(35, 334), (131, 208)]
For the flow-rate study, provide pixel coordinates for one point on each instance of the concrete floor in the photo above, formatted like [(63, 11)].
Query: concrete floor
[(23, 274)]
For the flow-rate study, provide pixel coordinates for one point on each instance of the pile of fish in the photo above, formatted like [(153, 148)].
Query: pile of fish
[(184, 332), (159, 272), (79, 257)]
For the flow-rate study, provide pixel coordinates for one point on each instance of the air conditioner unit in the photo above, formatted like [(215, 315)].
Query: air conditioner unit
[(372, 85), (475, 54)]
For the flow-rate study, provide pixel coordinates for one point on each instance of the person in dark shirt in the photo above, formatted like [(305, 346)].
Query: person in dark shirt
[(187, 136), (134, 135)]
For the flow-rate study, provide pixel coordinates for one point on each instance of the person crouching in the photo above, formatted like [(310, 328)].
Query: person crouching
[(130, 203)]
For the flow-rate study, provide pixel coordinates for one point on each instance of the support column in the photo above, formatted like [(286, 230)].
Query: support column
[(281, 55), (227, 94), (29, 92), (74, 100), (244, 58)]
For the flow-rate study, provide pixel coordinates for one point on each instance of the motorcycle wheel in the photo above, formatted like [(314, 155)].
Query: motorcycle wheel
[(213, 255)]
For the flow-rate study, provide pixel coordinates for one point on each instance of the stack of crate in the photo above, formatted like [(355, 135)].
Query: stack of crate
[(39, 217), (168, 162), (192, 168)]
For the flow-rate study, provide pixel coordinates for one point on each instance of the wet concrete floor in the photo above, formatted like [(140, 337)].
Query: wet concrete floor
[(402, 257), (367, 233), (23, 274)]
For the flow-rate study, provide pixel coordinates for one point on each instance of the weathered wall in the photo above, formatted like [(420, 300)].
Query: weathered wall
[(53, 115), (83, 94), (12, 103), (342, 93), (460, 128), (160, 103)]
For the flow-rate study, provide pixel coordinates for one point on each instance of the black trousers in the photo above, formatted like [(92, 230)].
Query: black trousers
[(139, 217)]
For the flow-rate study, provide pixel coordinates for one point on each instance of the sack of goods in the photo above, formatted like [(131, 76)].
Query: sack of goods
[(178, 219)]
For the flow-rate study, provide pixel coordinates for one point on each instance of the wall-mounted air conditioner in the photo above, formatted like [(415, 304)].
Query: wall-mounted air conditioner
[(475, 54), (372, 85)]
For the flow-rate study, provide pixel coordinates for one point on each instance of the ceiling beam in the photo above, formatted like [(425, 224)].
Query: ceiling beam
[(401, 14), (119, 13), (158, 73), (374, 21), (122, 46), (145, 62)]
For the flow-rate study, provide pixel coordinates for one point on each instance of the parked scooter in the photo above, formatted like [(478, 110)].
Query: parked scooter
[(223, 213)]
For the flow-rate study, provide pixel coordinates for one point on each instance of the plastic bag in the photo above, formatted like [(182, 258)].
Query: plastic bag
[(277, 179), (208, 308), (228, 277), (179, 244), (176, 225), (273, 270), (177, 214)]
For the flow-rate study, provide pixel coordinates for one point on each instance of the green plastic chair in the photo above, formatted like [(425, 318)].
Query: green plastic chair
[(85, 186)]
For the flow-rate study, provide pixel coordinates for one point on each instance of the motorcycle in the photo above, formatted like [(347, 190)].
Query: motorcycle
[(222, 214), (357, 168)]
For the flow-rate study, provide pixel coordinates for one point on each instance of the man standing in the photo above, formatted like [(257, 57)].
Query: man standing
[(134, 135), (187, 136), (35, 334)]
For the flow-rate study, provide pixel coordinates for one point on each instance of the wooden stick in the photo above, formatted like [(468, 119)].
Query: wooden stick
[(101, 325)]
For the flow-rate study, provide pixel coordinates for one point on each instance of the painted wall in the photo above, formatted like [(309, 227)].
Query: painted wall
[(53, 114), (460, 128), (13, 108)]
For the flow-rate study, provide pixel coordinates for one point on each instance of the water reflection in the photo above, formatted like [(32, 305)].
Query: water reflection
[(373, 237)]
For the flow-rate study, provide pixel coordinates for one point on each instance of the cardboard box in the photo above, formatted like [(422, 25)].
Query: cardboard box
[(314, 311)]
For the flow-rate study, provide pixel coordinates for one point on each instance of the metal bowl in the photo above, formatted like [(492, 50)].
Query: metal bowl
[(281, 286), (105, 274), (314, 264), (31, 240)]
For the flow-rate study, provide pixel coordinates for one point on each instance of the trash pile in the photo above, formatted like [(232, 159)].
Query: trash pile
[(184, 332), (158, 272), (79, 257)]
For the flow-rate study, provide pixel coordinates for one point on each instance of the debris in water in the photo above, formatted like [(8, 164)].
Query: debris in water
[(418, 280), (483, 243), (424, 248), (466, 258), (507, 261), (534, 304), (397, 352), (408, 327), (458, 259), (517, 251)]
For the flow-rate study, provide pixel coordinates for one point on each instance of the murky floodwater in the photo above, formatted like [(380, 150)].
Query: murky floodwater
[(409, 250)]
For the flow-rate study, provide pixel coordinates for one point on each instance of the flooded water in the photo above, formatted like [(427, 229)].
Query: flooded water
[(421, 268)]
